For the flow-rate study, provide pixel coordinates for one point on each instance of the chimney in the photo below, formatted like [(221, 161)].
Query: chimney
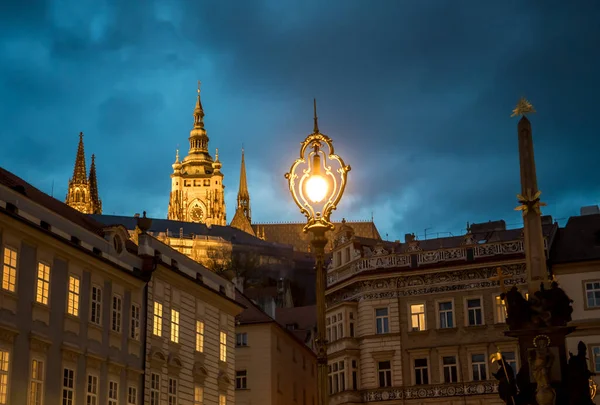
[(589, 210)]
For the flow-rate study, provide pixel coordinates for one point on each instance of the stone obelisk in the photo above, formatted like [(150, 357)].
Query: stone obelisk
[(529, 199)]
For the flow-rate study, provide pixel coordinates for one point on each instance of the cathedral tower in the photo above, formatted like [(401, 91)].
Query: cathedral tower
[(83, 191), (197, 190), (242, 219)]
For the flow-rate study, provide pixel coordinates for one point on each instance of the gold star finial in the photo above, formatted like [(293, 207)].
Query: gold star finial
[(523, 107), (199, 83)]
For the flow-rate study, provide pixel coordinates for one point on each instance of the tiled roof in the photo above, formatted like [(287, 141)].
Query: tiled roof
[(304, 317), (8, 179), (252, 313), (292, 233), (579, 240)]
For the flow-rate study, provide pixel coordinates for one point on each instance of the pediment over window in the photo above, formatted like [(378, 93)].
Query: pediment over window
[(174, 361), (156, 355), (199, 371), (223, 381)]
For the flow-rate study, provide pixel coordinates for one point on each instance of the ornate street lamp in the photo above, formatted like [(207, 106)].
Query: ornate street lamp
[(317, 181)]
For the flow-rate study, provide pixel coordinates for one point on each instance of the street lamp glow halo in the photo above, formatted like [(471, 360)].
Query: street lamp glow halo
[(317, 180)]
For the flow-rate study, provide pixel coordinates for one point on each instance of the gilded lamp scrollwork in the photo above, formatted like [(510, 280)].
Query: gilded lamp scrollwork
[(317, 179), (530, 201)]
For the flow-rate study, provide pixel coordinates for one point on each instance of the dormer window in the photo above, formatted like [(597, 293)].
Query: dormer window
[(118, 244)]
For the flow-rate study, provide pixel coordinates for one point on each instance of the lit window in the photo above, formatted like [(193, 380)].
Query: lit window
[(500, 309), (417, 316), (96, 308), (450, 369), (240, 380), (113, 393), (382, 320), (134, 333), (223, 346), (478, 367), (92, 390), (199, 336), (172, 391), (337, 378), (43, 283), (475, 312), (421, 374), (154, 389), (73, 300), (241, 339), (175, 326), (37, 382), (222, 399), (4, 366), (592, 292), (132, 396), (9, 270), (68, 387), (157, 329), (116, 314), (198, 395), (446, 314), (384, 370)]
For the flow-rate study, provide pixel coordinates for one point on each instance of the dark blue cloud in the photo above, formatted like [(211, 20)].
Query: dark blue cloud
[(416, 95)]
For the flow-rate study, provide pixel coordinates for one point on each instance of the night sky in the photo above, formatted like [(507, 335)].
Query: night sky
[(417, 96)]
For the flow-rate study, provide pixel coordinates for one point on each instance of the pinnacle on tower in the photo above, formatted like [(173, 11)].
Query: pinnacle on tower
[(316, 126), (243, 197), (79, 171), (198, 138), (198, 111), (93, 182)]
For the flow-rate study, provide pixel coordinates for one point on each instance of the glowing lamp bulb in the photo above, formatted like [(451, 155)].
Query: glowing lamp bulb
[(316, 188)]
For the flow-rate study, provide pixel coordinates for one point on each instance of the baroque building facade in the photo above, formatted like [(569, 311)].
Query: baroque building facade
[(273, 365), (88, 316), (72, 309), (416, 322), (197, 190)]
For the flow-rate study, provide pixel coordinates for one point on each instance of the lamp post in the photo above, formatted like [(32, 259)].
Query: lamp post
[(317, 181)]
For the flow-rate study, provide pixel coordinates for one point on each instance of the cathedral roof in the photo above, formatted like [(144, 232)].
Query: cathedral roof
[(293, 234), (228, 233)]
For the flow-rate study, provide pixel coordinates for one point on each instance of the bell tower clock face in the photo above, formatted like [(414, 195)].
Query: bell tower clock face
[(196, 213)]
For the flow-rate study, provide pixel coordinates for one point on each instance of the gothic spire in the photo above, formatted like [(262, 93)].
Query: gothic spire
[(198, 138), (243, 198), (93, 181), (79, 171)]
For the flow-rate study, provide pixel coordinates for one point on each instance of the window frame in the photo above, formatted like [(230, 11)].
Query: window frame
[(199, 336), (586, 305), (485, 364), (8, 266), (135, 322), (387, 373), (172, 391), (439, 313), (175, 325), (421, 316), (481, 307), (383, 318), (116, 314), (132, 389), (155, 391), (73, 297), (336, 372), (444, 366), (157, 319), (45, 283), (66, 389), (198, 394), (241, 339), (89, 394), (241, 380), (96, 304), (7, 373), (113, 388), (223, 346), (427, 368), (500, 307)]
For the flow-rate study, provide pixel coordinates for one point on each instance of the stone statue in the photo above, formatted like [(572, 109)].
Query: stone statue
[(518, 309), (579, 377), (507, 386), (559, 305), (540, 361)]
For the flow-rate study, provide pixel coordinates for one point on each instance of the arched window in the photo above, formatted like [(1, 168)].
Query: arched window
[(77, 195)]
